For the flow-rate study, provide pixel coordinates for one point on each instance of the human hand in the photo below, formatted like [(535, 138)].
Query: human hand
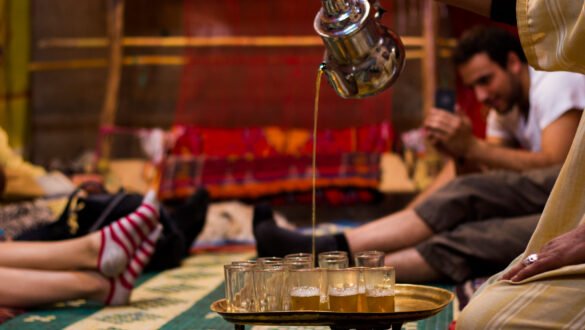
[(449, 132), (564, 250)]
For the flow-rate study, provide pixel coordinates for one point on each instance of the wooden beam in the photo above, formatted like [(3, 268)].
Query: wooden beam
[(145, 60), (115, 25), (198, 42), (429, 64)]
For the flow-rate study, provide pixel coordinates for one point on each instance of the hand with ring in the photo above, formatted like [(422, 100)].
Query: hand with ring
[(530, 259), (564, 250)]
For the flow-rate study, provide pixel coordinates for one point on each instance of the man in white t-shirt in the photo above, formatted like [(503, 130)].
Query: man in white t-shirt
[(532, 118), (474, 224)]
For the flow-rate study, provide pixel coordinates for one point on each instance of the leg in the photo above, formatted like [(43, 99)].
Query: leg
[(190, 217), (384, 234), (479, 197), (109, 249), (77, 253), (30, 288), (471, 198), (411, 267), (388, 233), (477, 248), (272, 240)]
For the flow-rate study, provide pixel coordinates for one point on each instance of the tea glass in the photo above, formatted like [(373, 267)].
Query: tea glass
[(269, 262), (362, 306), (304, 287), (269, 290), (343, 289), (239, 288), (333, 260), (380, 283), (369, 259)]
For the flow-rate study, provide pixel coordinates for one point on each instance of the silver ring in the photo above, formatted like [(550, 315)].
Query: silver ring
[(530, 259)]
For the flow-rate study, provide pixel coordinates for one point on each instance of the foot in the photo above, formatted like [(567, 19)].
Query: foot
[(190, 217), (119, 240), (272, 240), (121, 287)]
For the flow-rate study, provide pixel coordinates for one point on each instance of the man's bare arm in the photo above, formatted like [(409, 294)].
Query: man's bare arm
[(555, 143)]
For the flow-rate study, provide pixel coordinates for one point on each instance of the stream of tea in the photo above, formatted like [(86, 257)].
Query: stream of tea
[(314, 164)]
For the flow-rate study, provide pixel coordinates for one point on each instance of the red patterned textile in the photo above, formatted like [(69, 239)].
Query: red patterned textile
[(255, 162), (231, 86)]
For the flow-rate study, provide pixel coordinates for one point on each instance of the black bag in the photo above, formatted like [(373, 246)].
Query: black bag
[(86, 214)]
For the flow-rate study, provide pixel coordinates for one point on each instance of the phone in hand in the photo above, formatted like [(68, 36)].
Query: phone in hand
[(445, 99)]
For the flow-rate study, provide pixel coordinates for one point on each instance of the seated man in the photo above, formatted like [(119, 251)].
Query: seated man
[(478, 223)]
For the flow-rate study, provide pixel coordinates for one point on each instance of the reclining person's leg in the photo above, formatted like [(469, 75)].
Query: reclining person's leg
[(478, 197), (472, 249), (108, 250), (32, 287), (466, 199), (28, 288)]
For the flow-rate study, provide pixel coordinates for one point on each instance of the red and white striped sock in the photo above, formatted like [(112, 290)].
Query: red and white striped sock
[(121, 287), (120, 239)]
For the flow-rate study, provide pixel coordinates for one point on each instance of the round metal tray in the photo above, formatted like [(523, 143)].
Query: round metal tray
[(412, 302)]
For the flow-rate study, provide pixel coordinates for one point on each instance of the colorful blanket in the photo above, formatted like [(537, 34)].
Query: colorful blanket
[(175, 299), (254, 162)]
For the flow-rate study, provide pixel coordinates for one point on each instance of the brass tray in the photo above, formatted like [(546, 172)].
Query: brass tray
[(412, 302)]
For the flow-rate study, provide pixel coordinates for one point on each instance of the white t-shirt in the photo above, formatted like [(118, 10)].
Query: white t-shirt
[(551, 95)]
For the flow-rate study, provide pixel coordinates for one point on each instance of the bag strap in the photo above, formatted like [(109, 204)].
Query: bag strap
[(67, 212), (118, 198)]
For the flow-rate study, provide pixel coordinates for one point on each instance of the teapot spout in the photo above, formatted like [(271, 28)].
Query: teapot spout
[(344, 87)]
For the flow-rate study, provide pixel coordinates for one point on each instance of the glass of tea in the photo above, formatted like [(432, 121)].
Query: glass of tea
[(269, 288), (369, 259), (333, 260), (269, 262), (343, 289), (298, 264), (362, 305), (246, 263), (299, 256), (380, 283), (304, 288), (239, 288)]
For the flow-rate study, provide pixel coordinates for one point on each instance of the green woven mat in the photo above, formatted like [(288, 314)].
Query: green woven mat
[(174, 299)]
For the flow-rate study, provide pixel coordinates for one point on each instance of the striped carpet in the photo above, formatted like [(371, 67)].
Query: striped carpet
[(174, 299)]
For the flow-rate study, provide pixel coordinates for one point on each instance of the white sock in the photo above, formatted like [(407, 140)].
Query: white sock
[(120, 239), (121, 287)]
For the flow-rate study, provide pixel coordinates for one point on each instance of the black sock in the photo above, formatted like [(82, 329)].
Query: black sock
[(190, 217), (342, 244), (273, 241)]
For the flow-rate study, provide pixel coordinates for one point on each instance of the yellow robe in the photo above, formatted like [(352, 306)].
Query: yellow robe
[(553, 36), (21, 176)]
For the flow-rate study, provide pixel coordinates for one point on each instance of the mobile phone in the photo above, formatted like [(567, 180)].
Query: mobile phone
[(445, 99)]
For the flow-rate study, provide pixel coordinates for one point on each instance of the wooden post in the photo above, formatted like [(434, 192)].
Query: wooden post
[(429, 63), (115, 26)]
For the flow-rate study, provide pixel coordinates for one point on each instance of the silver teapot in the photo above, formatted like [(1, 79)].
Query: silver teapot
[(362, 56)]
